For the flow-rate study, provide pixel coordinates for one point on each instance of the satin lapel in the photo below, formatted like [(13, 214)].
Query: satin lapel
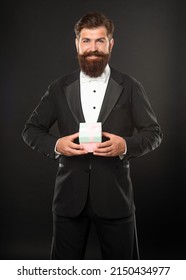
[(74, 100), (111, 96)]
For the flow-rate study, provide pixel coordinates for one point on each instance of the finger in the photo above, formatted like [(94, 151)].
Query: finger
[(74, 136), (106, 154), (75, 146), (104, 144), (75, 152), (103, 150), (106, 148), (106, 134)]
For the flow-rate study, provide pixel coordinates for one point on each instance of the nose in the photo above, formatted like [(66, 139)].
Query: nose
[(93, 46)]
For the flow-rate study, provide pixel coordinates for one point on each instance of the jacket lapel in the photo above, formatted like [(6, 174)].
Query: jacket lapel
[(74, 100), (112, 95)]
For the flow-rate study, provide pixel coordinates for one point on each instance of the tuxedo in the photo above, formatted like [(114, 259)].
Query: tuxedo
[(125, 108)]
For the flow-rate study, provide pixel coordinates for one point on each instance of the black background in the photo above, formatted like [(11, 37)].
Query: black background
[(37, 47)]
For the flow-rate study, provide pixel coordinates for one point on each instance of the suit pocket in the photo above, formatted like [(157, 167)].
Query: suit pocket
[(120, 106)]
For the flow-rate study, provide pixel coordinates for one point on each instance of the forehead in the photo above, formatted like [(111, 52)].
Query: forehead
[(99, 32)]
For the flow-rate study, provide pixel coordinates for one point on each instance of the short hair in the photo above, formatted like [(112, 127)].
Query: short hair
[(94, 20)]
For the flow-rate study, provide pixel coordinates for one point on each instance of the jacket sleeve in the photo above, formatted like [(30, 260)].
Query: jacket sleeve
[(148, 134), (36, 132)]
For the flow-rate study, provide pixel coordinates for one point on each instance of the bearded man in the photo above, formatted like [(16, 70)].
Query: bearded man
[(94, 187)]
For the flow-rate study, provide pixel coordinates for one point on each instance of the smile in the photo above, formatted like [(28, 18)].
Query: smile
[(93, 57)]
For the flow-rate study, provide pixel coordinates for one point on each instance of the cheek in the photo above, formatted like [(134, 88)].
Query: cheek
[(106, 48), (81, 49)]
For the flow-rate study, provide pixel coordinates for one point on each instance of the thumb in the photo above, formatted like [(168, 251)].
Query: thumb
[(74, 136), (106, 134)]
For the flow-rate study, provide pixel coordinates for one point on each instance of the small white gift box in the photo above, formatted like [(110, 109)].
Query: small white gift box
[(89, 135)]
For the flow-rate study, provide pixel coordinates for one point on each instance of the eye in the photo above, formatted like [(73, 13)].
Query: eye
[(101, 40), (85, 40)]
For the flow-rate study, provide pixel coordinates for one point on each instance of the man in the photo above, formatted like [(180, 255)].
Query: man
[(94, 187)]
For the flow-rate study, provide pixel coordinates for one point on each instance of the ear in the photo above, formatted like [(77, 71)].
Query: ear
[(77, 44), (111, 44)]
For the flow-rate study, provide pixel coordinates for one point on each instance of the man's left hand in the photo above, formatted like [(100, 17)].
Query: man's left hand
[(114, 146)]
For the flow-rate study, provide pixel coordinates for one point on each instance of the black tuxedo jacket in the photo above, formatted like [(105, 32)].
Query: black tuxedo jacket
[(125, 108)]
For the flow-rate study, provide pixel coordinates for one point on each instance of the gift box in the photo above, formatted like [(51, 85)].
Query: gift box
[(89, 135)]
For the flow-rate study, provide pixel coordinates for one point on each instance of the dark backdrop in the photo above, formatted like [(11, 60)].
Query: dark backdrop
[(37, 46)]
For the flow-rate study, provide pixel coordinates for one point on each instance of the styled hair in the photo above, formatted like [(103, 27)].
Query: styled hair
[(94, 20)]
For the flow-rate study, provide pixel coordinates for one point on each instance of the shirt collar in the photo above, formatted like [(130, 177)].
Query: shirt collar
[(103, 78)]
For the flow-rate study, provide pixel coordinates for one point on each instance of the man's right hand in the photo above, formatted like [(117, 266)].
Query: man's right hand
[(67, 147)]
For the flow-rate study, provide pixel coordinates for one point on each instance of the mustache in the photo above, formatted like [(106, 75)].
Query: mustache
[(93, 53), (95, 67)]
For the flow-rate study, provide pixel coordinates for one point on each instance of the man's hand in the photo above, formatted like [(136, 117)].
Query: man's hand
[(67, 147), (115, 146)]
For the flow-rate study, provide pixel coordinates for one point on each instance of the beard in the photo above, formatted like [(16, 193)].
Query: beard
[(93, 67)]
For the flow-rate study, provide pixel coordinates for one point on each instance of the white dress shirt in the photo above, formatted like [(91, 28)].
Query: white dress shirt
[(92, 92)]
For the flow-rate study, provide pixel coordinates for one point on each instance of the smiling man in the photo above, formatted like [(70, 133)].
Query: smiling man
[(94, 48), (94, 187)]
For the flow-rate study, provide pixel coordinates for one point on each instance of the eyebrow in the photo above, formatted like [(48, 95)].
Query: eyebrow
[(86, 38)]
